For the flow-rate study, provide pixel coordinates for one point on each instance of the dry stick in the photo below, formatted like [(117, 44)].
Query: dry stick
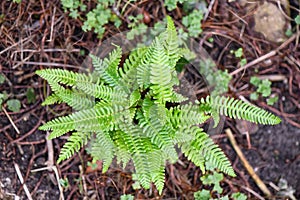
[(50, 162), (10, 120), (264, 57), (53, 168), (254, 62), (15, 127), (209, 9), (22, 181), (246, 164), (52, 25)]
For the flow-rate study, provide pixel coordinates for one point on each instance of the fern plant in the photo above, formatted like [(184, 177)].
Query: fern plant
[(132, 112)]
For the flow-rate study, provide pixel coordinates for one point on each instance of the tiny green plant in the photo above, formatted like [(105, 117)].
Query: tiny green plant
[(214, 179), (130, 110), (127, 197), (136, 26), (263, 89), (172, 4), (297, 19), (98, 17), (13, 105), (239, 54), (73, 6), (193, 22)]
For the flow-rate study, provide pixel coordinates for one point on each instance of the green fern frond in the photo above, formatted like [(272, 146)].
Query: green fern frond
[(136, 146), (183, 135), (157, 168), (122, 152), (51, 99), (108, 68), (75, 100), (171, 43), (186, 115), (56, 133), (102, 148), (74, 143), (128, 73), (143, 69), (203, 149), (64, 76), (103, 92), (177, 98), (161, 74), (238, 109), (158, 137), (92, 119)]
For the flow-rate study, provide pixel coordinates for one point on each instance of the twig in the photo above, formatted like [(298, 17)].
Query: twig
[(52, 25), (253, 192), (50, 161), (10, 120), (264, 57), (83, 182), (49, 64), (246, 164), (254, 62), (22, 181), (53, 168), (15, 127), (209, 9)]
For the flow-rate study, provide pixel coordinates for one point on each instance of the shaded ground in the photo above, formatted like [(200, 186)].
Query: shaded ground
[(26, 35)]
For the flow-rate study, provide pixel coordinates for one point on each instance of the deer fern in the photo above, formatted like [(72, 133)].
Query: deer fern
[(122, 112)]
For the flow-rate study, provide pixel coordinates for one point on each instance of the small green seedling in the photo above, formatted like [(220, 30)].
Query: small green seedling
[(127, 197), (239, 54), (217, 78), (13, 105), (297, 19), (137, 26), (193, 23), (64, 182), (2, 79), (215, 179), (263, 89), (30, 95)]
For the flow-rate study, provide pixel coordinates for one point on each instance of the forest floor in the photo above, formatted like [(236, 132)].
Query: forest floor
[(38, 34)]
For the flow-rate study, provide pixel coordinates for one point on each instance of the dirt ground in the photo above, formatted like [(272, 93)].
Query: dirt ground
[(30, 40)]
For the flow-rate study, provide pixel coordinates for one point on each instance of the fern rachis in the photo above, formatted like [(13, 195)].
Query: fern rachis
[(129, 117)]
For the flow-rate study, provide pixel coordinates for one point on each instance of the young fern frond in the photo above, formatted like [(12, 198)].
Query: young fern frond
[(64, 76), (158, 137), (203, 145), (92, 119), (161, 74), (74, 143), (121, 151), (75, 100), (52, 99), (238, 109), (102, 148), (132, 112), (107, 69), (171, 44), (128, 73)]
